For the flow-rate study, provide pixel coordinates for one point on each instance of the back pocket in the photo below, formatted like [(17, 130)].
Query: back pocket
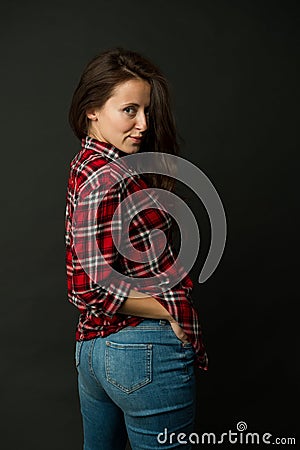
[(128, 366)]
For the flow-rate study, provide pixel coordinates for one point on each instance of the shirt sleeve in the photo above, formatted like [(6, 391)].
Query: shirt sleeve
[(97, 284)]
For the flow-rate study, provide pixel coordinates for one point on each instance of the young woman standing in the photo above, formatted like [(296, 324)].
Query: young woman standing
[(135, 353)]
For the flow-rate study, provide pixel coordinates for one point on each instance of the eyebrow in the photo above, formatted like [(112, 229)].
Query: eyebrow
[(134, 104)]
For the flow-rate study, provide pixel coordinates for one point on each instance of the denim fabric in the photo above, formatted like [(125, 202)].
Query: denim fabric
[(137, 383)]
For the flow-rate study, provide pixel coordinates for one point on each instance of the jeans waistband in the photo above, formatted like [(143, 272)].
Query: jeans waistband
[(159, 322)]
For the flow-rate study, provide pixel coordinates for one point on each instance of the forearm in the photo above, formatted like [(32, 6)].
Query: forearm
[(139, 305)]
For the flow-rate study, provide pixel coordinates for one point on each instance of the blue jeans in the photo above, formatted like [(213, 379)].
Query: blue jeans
[(137, 383)]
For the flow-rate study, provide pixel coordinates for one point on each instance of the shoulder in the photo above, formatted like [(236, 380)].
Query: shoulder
[(92, 171)]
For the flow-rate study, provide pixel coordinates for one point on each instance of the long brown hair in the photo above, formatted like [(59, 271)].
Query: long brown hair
[(98, 81)]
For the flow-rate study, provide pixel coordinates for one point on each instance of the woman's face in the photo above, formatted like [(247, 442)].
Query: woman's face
[(123, 119)]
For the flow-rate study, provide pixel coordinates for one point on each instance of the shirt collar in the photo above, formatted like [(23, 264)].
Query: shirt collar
[(108, 150)]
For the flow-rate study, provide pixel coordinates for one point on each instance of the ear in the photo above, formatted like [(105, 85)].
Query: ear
[(91, 114)]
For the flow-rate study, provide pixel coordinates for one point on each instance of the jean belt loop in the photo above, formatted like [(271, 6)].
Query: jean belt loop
[(163, 322)]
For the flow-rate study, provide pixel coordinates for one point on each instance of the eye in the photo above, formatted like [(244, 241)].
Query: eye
[(129, 110)]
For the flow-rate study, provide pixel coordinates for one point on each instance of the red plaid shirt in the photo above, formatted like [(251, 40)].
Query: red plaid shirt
[(98, 303)]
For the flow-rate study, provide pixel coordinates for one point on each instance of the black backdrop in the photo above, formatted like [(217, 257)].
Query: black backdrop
[(232, 70)]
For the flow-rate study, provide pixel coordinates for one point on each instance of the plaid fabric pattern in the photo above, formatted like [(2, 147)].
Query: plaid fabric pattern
[(94, 231)]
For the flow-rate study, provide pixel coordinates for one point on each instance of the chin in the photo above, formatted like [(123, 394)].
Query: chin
[(133, 149)]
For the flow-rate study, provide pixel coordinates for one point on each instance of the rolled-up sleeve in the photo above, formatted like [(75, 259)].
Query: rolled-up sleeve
[(96, 229)]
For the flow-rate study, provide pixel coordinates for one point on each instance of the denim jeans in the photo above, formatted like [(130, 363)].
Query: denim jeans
[(137, 383)]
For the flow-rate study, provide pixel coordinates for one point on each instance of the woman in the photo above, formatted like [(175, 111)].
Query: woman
[(135, 352)]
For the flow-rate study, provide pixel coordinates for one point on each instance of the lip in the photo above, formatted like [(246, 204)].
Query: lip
[(136, 138)]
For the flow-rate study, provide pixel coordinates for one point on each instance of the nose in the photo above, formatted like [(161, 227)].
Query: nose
[(141, 122)]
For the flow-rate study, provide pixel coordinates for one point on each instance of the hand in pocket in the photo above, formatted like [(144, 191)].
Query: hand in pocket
[(179, 331)]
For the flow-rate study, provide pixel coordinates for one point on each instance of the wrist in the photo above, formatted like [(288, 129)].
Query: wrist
[(171, 319)]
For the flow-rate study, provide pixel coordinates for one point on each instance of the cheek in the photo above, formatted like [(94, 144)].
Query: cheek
[(125, 125), (119, 123)]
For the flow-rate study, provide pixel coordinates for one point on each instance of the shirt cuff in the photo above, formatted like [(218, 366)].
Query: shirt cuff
[(115, 298)]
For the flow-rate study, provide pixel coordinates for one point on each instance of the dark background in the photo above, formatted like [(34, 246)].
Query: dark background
[(232, 70)]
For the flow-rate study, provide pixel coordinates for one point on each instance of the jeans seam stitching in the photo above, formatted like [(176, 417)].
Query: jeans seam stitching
[(78, 352), (90, 362)]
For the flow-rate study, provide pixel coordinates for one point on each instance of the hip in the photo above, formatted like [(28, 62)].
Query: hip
[(150, 347)]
